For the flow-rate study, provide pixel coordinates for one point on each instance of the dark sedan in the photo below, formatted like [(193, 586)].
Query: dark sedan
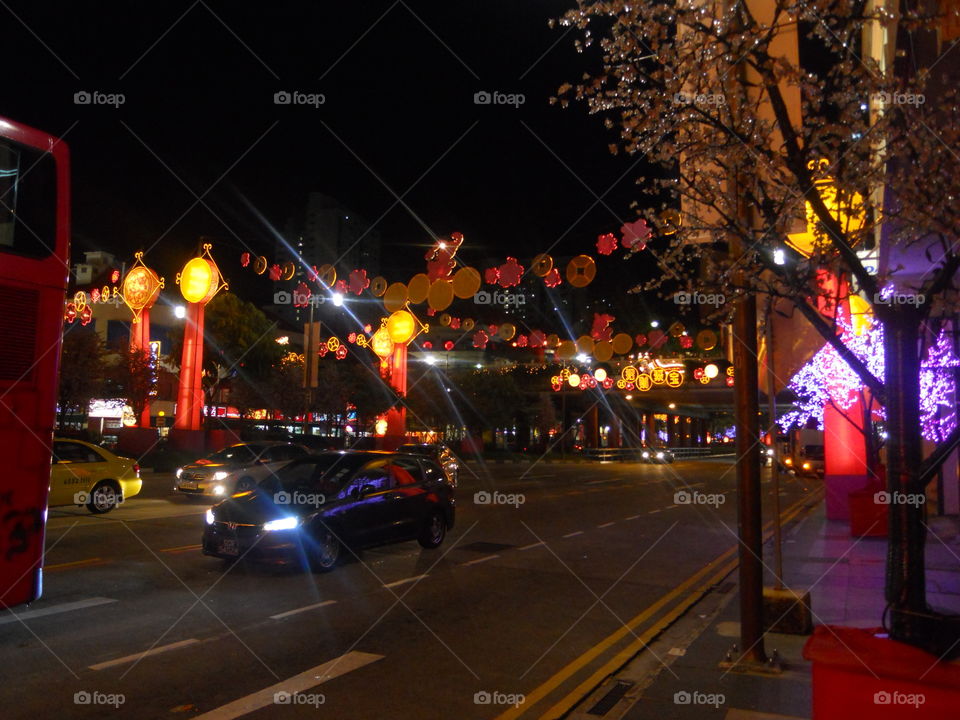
[(310, 509), (440, 454)]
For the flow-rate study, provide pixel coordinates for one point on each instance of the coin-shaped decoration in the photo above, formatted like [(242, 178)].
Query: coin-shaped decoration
[(581, 270), (585, 345), (440, 295), (466, 282), (418, 288), (327, 274), (622, 343), (706, 339), (603, 351), (468, 324), (507, 331), (541, 265), (395, 297), (566, 349), (260, 265), (445, 320), (378, 286)]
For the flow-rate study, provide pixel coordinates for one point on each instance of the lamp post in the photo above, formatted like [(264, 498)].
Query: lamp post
[(141, 288)]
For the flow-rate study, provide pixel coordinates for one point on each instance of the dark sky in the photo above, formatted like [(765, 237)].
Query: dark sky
[(399, 81)]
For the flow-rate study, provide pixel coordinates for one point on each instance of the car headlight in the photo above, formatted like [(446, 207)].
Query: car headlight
[(287, 523), (770, 451), (219, 489), (209, 516), (806, 466), (659, 456), (645, 454), (788, 461), (220, 475), (179, 473)]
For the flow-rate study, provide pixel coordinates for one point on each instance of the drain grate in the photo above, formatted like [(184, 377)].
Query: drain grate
[(481, 546), (613, 696)]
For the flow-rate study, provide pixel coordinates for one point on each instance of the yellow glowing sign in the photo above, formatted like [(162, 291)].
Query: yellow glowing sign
[(199, 280), (629, 374), (847, 210), (674, 378), (401, 326), (644, 382), (658, 375)]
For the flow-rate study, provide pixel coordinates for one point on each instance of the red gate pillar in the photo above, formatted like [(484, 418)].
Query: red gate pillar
[(190, 391)]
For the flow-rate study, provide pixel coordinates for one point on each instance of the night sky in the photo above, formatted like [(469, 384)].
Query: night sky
[(399, 81)]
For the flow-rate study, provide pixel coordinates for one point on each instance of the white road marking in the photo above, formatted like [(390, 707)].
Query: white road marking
[(480, 560), (574, 534), (306, 608), (532, 545), (653, 512), (136, 656), (404, 581), (55, 609), (670, 507), (297, 684), (605, 525), (632, 517)]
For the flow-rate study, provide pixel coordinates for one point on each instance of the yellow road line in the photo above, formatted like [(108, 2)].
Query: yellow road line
[(75, 563), (590, 655), (181, 549)]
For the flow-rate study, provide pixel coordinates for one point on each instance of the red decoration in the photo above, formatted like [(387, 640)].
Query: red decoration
[(686, 342), (71, 313), (244, 259), (552, 278), (341, 352), (448, 345), (491, 276), (635, 234), (368, 328), (341, 287), (601, 330), (697, 373), (431, 312), (641, 340), (608, 383), (522, 341), (275, 272), (352, 337), (322, 351), (480, 339), (606, 244), (313, 275), (301, 295), (537, 339), (729, 382), (359, 281), (511, 272), (455, 323), (95, 295), (439, 258), (428, 345), (657, 338), (115, 277), (492, 329)]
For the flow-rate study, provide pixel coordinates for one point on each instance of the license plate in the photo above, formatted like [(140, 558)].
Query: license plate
[(188, 485), (229, 547)]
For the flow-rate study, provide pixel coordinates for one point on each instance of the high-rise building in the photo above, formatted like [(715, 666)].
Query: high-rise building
[(326, 232)]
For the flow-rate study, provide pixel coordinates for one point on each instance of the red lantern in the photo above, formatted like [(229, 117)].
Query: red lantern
[(448, 345), (428, 345)]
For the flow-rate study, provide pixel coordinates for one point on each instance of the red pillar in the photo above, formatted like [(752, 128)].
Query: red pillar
[(397, 416), (190, 393), (140, 340), (844, 457)]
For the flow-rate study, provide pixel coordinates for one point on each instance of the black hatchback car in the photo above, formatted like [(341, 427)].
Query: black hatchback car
[(310, 509)]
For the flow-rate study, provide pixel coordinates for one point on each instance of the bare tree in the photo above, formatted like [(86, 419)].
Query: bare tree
[(754, 143)]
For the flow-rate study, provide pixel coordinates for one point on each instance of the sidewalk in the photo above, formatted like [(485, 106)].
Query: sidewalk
[(845, 576)]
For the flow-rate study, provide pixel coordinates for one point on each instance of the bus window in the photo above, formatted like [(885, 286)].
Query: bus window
[(28, 197)]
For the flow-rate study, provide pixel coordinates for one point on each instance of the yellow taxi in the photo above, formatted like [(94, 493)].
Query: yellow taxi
[(85, 474)]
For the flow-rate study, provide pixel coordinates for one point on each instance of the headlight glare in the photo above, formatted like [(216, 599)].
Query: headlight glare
[(209, 516), (220, 475), (179, 473), (287, 523)]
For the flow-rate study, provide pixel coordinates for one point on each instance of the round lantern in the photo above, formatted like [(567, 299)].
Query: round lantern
[(199, 280), (141, 288), (401, 327), (381, 343), (711, 371)]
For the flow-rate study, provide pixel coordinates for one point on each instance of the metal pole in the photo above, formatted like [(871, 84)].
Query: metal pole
[(772, 434)]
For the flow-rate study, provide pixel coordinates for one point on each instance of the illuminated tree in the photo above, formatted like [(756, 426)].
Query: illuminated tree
[(706, 91)]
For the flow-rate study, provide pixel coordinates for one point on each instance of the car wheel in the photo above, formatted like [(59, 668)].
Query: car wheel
[(245, 484), (434, 531), (324, 551), (103, 498)]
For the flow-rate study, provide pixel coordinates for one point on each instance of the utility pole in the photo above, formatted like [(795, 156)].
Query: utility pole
[(774, 447)]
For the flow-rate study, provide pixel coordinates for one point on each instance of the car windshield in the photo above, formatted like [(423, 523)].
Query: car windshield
[(236, 455), (333, 470), (814, 452)]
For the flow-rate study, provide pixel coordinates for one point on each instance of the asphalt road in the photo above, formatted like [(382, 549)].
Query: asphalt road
[(529, 595)]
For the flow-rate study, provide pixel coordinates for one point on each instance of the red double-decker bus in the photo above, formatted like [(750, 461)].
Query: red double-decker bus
[(34, 269)]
